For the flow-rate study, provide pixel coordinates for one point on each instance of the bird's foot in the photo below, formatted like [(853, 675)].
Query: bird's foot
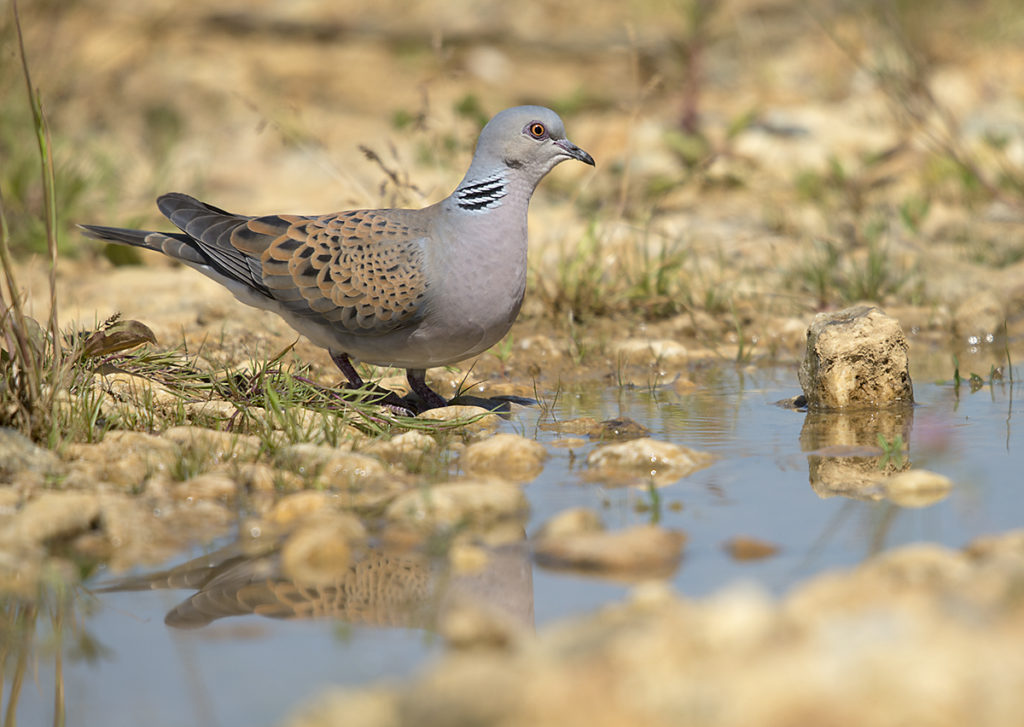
[(428, 398)]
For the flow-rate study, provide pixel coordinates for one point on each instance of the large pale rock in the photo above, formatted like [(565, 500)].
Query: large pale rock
[(855, 358)]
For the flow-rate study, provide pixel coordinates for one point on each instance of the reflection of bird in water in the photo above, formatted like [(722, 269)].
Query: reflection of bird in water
[(380, 587)]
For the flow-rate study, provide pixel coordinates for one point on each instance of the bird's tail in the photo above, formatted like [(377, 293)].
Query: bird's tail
[(122, 235), (173, 244)]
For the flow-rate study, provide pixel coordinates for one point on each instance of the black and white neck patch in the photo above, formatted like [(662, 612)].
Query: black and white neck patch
[(483, 195)]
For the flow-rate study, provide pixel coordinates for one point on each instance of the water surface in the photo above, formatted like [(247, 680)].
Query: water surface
[(253, 670)]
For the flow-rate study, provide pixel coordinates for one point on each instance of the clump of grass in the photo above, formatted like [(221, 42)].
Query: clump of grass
[(595, 277), (851, 270), (36, 368)]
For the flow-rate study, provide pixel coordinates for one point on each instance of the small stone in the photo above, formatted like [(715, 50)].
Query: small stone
[(468, 418), (10, 499), (470, 624), (407, 445), (19, 455), (508, 456), (447, 505), (639, 552), (467, 558), (125, 459), (301, 505), (306, 458), (319, 553), (213, 409), (214, 445), (126, 387), (573, 521), (260, 477), (855, 358), (332, 467), (52, 515), (746, 548), (645, 459), (624, 428), (346, 470), (207, 486), (582, 425), (917, 488), (683, 385)]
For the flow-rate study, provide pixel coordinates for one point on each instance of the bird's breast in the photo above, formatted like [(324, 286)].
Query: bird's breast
[(480, 279)]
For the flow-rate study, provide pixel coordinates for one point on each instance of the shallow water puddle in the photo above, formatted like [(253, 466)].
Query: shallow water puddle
[(773, 479)]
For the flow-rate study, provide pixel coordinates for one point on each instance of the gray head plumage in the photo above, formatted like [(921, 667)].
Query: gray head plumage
[(526, 138)]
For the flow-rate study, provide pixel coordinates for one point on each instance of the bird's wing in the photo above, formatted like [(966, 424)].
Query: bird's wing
[(362, 270)]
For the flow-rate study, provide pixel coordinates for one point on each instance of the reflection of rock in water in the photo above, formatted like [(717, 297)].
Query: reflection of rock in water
[(843, 452), (394, 588)]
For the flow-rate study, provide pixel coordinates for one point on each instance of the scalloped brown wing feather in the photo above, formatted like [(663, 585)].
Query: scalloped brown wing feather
[(362, 270)]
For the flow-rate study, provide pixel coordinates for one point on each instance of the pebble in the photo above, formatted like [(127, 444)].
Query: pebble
[(214, 445), (620, 428), (743, 547), (505, 455), (319, 552), (573, 521), (340, 469), (402, 447), (646, 460), (446, 505), (20, 456), (469, 418), (51, 515), (206, 486), (299, 505), (917, 488), (639, 552), (124, 459), (580, 425)]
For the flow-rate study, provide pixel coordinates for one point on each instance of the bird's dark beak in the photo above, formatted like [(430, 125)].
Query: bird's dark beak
[(575, 152)]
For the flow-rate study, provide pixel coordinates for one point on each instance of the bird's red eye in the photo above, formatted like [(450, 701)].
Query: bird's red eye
[(537, 130)]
